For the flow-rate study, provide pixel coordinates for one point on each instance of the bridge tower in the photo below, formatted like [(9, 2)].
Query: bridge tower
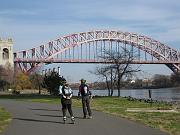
[(6, 52)]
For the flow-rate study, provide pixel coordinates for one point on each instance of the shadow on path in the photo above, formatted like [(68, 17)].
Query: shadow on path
[(47, 115), (35, 120), (43, 109)]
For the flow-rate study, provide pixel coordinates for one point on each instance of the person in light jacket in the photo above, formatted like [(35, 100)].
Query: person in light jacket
[(66, 101)]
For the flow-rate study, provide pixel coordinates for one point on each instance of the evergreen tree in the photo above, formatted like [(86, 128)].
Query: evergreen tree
[(52, 82)]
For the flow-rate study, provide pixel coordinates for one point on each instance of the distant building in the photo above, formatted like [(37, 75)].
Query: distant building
[(146, 82), (6, 53), (132, 81)]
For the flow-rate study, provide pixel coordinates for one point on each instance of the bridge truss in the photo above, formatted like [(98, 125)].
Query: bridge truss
[(86, 47)]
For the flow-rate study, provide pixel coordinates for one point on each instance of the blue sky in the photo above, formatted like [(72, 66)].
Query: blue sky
[(34, 22)]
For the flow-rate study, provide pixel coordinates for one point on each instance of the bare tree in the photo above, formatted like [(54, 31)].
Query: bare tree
[(105, 74), (121, 66), (37, 81)]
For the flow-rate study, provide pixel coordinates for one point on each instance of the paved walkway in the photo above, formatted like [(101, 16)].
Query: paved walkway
[(46, 119)]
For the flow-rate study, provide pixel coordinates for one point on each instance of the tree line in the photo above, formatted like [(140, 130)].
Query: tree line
[(20, 81), (157, 81)]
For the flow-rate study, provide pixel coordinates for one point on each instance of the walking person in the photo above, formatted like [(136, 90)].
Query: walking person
[(85, 95), (66, 101)]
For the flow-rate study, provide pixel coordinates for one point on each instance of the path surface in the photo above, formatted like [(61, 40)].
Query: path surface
[(46, 119)]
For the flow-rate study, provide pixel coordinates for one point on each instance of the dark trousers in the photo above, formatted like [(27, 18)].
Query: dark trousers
[(86, 106), (66, 105)]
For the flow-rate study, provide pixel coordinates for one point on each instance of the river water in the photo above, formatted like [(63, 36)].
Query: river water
[(167, 94)]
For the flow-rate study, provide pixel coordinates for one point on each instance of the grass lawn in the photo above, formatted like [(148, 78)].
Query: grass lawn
[(5, 118), (168, 122)]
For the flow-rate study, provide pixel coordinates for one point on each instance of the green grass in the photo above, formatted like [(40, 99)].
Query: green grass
[(168, 122), (4, 119)]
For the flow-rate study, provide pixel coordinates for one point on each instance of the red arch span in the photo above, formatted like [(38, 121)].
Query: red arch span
[(30, 59)]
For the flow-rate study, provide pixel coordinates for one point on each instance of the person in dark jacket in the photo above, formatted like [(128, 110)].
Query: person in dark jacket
[(66, 101), (86, 94)]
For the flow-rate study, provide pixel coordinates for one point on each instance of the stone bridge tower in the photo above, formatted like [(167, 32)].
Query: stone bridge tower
[(6, 53)]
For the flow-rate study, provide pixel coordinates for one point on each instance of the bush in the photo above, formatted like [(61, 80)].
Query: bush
[(16, 92)]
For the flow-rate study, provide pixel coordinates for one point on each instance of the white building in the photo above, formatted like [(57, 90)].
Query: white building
[(6, 52), (132, 81)]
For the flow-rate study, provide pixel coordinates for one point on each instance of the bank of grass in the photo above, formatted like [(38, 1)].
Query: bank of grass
[(168, 122), (5, 118)]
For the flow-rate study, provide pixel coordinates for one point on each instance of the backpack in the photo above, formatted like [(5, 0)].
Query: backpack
[(84, 90)]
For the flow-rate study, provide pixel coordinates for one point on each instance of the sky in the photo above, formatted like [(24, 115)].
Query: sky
[(31, 23)]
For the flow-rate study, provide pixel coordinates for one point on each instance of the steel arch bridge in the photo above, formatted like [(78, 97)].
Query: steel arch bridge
[(86, 47)]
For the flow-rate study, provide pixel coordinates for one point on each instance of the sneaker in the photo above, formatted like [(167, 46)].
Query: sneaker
[(64, 118), (72, 118), (84, 117)]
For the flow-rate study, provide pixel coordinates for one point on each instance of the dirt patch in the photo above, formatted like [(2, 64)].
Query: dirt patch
[(150, 110)]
